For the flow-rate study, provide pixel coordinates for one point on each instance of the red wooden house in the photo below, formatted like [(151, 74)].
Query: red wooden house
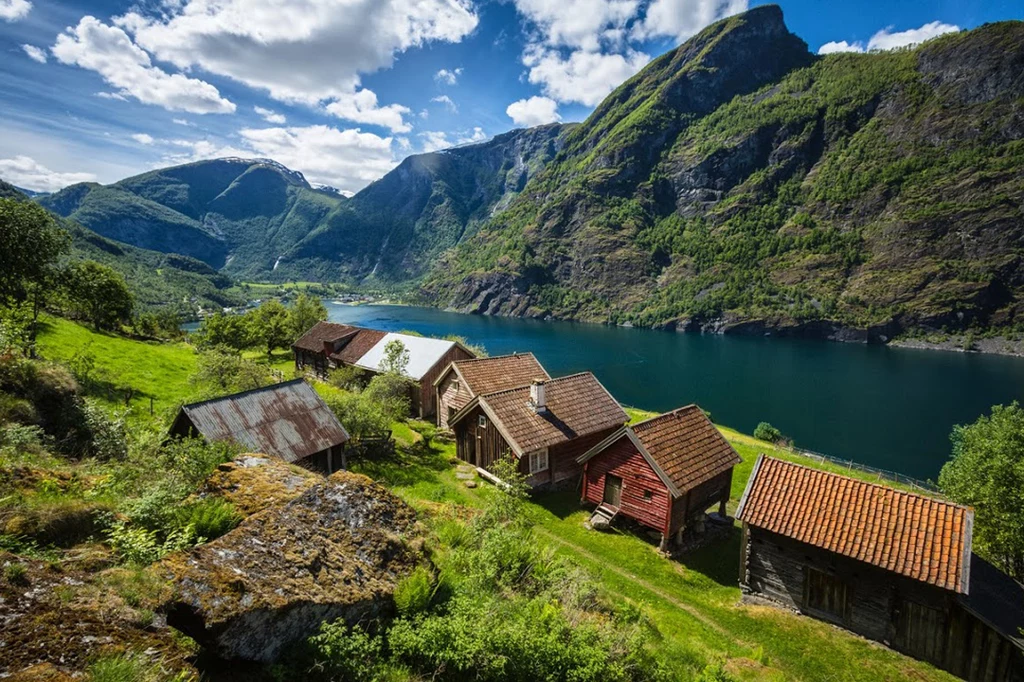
[(663, 473), (545, 426)]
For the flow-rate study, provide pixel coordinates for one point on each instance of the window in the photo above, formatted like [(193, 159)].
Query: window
[(826, 594), (481, 421), (648, 495), (455, 384), (539, 461)]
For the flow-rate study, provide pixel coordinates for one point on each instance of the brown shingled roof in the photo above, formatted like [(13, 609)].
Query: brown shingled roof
[(682, 446), (358, 346), (577, 405), (916, 536), (487, 375), (313, 340)]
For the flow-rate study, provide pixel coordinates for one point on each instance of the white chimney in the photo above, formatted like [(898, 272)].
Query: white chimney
[(537, 395)]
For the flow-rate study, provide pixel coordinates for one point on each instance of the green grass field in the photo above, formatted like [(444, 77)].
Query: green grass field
[(693, 602)]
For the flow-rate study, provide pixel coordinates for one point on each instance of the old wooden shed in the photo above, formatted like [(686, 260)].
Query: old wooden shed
[(545, 426), (287, 420), (464, 380), (663, 473), (890, 565)]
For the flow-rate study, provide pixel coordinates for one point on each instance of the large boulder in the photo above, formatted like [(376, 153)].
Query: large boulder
[(254, 482), (335, 551)]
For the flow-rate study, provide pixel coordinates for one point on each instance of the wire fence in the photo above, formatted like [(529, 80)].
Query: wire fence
[(882, 474)]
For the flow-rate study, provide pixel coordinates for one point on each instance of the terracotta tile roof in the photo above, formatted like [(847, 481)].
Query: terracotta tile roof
[(487, 375), (919, 537), (358, 346), (577, 405), (313, 340), (686, 446)]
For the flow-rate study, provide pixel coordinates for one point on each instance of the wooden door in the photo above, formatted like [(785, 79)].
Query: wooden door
[(920, 631), (612, 490)]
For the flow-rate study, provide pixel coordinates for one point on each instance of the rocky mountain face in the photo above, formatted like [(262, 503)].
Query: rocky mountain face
[(739, 183)]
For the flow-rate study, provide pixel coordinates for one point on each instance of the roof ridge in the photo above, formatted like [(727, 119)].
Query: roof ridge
[(494, 357), (248, 392), (547, 382), (879, 486), (666, 414)]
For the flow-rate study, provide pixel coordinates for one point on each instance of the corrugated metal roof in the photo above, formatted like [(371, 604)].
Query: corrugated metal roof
[(287, 420), (424, 353)]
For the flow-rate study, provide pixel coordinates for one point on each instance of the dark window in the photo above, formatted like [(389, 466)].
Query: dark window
[(826, 594), (648, 495)]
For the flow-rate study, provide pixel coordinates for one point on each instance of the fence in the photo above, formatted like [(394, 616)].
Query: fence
[(883, 474)]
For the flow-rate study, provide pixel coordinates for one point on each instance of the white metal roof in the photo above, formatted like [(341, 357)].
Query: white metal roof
[(424, 353)]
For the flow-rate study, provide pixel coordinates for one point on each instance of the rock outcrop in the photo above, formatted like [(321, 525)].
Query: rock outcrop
[(255, 482), (335, 551)]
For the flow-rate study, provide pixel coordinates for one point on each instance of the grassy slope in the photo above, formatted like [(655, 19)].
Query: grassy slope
[(693, 602)]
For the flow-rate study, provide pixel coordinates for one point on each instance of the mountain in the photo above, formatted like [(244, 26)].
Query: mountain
[(739, 183), (238, 215), (157, 280)]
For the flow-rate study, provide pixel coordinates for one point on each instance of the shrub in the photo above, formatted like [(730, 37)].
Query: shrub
[(414, 592), (16, 574), (209, 518), (347, 378), (108, 432), (359, 414), (714, 672), (347, 654), (767, 432), (140, 546)]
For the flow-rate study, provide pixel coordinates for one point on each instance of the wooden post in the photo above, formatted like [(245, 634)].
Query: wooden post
[(151, 406)]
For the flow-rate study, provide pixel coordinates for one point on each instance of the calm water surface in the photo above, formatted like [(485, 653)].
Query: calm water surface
[(888, 407)]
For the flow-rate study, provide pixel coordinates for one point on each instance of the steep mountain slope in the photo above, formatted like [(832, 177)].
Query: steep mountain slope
[(240, 215), (396, 227), (738, 182), (157, 280)]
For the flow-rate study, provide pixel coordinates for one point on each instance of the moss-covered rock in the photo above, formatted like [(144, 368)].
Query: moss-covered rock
[(335, 551), (254, 482)]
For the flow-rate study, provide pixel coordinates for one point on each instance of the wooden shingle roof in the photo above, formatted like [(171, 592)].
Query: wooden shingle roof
[(313, 340), (358, 346), (487, 375), (682, 446), (915, 536), (577, 405)]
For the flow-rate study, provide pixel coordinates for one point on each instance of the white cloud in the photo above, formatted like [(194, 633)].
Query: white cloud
[(362, 107), (840, 46), (434, 140), (143, 138), (36, 54), (346, 159), (181, 122), (270, 116), (584, 24), (303, 51), (472, 137), (26, 172), (448, 76), (447, 102), (584, 77), (109, 51), (12, 10), (533, 112), (681, 19), (887, 40)]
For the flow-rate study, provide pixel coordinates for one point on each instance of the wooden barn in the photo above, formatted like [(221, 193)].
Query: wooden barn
[(890, 565), (663, 473), (464, 380), (287, 420), (545, 426), (327, 346)]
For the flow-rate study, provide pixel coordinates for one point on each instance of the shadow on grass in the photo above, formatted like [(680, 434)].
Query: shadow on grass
[(718, 560), (406, 466), (562, 504)]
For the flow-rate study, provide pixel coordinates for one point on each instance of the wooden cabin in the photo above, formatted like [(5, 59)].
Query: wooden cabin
[(287, 420), (327, 346), (664, 473), (464, 380), (892, 566), (545, 426)]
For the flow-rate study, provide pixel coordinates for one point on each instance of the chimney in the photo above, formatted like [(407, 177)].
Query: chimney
[(538, 397)]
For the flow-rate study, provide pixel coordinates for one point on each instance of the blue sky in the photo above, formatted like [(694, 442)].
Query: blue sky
[(342, 90)]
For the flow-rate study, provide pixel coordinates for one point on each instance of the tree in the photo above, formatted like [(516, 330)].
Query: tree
[(304, 313), (396, 358), (32, 243), (986, 471), (230, 331), (98, 293), (268, 326), (220, 371), (767, 432)]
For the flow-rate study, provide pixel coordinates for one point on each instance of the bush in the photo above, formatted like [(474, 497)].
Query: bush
[(140, 546), (767, 432), (347, 654), (414, 592), (16, 574), (347, 378), (108, 431), (359, 414), (209, 518)]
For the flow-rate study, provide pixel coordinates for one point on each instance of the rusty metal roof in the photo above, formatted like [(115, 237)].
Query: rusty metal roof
[(287, 420)]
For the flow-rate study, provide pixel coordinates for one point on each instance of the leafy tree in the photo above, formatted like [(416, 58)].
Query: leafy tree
[(269, 327), (228, 331), (474, 348), (304, 313), (98, 293), (986, 472), (767, 432), (396, 358), (32, 244), (390, 388), (220, 371)]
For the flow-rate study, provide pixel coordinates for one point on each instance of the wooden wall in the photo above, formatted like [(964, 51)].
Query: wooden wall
[(623, 460), (562, 457), (314, 362), (915, 618), (451, 392), (480, 446), (427, 398)]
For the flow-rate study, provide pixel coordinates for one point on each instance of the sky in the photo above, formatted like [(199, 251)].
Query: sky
[(343, 90)]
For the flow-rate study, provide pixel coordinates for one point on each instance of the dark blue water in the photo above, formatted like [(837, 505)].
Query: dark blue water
[(887, 407)]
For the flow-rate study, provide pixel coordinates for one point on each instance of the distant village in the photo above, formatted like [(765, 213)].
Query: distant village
[(893, 566)]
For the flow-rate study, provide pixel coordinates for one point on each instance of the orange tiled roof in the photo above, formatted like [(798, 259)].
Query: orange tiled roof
[(577, 405), (487, 375), (687, 446), (916, 536), (313, 340)]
